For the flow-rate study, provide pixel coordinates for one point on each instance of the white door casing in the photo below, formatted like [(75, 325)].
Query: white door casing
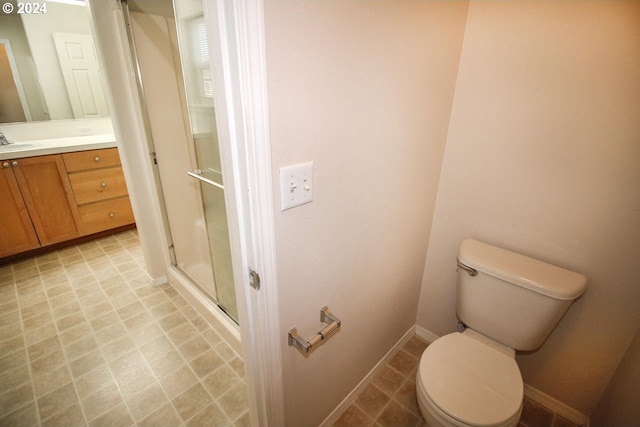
[(238, 62)]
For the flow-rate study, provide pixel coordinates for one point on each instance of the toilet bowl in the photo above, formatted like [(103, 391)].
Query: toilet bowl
[(463, 381), (505, 302)]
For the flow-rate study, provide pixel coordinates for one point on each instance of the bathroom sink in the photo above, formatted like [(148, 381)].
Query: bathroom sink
[(17, 146)]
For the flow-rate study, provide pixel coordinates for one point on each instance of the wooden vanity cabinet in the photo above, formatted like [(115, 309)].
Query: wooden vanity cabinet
[(44, 190), (16, 230), (99, 188), (47, 193), (60, 197)]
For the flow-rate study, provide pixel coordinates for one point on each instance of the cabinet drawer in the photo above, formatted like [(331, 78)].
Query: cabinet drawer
[(106, 215), (92, 159), (95, 185)]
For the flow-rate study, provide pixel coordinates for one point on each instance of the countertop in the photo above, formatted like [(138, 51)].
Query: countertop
[(42, 147)]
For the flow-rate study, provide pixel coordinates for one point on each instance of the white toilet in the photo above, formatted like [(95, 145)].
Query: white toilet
[(507, 302)]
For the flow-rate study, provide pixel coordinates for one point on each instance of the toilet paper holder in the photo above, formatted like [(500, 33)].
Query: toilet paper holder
[(304, 347)]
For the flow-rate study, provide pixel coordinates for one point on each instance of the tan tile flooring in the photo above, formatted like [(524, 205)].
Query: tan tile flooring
[(389, 400), (86, 339)]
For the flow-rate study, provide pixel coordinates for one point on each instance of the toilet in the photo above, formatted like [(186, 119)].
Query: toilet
[(505, 302)]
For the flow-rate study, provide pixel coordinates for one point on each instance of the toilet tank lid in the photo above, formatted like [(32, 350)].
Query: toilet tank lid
[(529, 273)]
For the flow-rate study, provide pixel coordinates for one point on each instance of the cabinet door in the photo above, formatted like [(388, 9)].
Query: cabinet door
[(46, 191), (16, 230)]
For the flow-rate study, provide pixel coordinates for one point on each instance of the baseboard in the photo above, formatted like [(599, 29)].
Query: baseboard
[(425, 334), (351, 397), (556, 406), (207, 309), (158, 281)]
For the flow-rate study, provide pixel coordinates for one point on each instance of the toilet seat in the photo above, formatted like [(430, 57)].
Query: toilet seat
[(471, 382)]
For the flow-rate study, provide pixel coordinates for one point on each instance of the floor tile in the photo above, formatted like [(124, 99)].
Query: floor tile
[(69, 417), (27, 415), (101, 400), (372, 400), (220, 380), (51, 380), (403, 362), (211, 416), (396, 415), (92, 380), (117, 416), (14, 399), (206, 363), (406, 396), (354, 417), (234, 402), (178, 382), (15, 377), (86, 339), (165, 416), (191, 401), (147, 401), (388, 380), (57, 400)]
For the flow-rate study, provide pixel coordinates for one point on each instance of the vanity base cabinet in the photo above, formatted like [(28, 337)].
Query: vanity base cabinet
[(16, 230), (38, 206), (99, 188), (60, 199), (47, 193)]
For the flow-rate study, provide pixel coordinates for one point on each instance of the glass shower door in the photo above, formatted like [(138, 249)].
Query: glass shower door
[(212, 188), (192, 39)]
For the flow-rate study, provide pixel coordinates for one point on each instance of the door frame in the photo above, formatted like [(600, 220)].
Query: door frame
[(239, 70), (237, 47)]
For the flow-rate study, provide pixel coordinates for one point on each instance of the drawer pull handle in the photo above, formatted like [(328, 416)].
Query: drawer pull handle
[(5, 165), (97, 159), (103, 184), (112, 215), (14, 163)]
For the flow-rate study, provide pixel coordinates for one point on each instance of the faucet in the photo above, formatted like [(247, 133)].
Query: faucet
[(3, 139)]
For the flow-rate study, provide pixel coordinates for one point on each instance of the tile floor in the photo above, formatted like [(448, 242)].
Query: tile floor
[(86, 340), (389, 400)]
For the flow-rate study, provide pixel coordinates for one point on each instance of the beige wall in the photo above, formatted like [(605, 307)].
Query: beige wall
[(542, 157), (619, 404), (363, 89)]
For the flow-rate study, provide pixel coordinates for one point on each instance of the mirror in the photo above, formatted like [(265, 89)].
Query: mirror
[(48, 65)]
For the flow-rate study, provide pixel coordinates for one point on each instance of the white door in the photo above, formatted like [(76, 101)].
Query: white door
[(81, 72)]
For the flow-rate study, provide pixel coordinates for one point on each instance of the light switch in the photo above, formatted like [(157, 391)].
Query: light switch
[(296, 185)]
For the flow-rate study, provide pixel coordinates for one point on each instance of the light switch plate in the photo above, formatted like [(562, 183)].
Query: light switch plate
[(296, 185)]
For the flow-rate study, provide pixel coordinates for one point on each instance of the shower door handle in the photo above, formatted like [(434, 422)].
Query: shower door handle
[(197, 174)]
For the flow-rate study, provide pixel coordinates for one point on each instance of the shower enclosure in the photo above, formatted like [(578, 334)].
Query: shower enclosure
[(170, 53)]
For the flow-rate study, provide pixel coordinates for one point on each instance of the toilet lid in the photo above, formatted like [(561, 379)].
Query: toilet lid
[(470, 381)]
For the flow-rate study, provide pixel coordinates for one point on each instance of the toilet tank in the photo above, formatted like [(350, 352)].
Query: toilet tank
[(512, 299)]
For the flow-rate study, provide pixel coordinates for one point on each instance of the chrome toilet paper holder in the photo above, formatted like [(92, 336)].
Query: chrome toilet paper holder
[(305, 347)]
